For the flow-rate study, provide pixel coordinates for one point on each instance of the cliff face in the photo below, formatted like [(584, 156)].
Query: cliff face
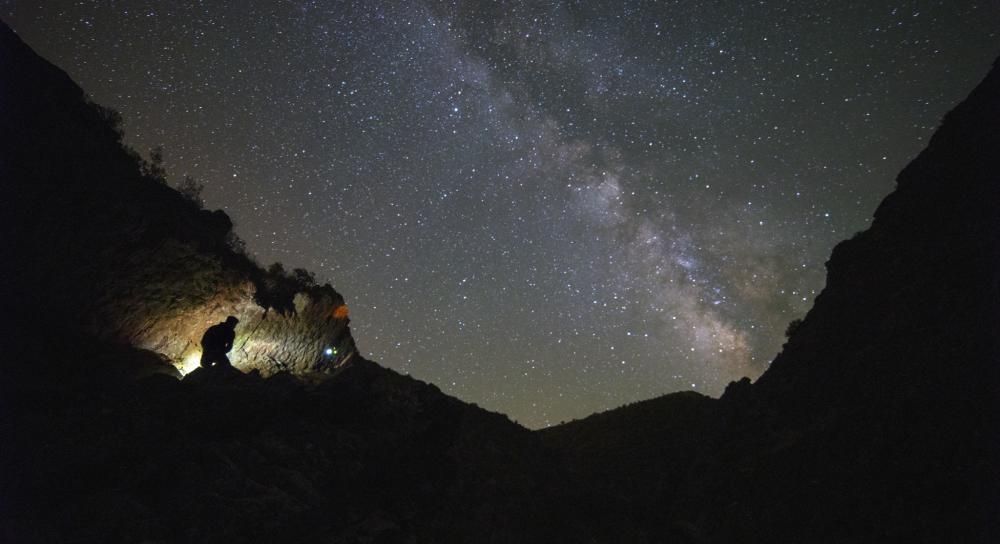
[(879, 420), (311, 338), (95, 245), (921, 285), (880, 416)]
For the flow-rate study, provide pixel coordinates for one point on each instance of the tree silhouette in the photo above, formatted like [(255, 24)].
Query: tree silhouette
[(191, 189), (153, 168), (792, 327)]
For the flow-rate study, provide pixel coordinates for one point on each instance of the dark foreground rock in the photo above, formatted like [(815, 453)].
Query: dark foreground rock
[(877, 423), (365, 455), (879, 420)]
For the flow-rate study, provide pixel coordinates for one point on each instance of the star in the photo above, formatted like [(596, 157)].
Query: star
[(635, 197)]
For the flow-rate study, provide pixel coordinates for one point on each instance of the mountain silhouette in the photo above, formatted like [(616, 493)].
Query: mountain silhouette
[(877, 421), (107, 248)]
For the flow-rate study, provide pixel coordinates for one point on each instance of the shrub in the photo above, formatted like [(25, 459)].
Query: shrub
[(191, 189), (792, 327)]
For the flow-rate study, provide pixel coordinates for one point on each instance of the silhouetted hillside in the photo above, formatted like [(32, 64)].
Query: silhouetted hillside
[(878, 421), (879, 418), (102, 442), (96, 240), (628, 462)]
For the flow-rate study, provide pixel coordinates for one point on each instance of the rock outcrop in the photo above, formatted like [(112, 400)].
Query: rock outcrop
[(878, 421), (111, 277), (94, 245)]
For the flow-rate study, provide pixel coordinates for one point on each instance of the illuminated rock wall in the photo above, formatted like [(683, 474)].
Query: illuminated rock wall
[(164, 298), (315, 337), (94, 246)]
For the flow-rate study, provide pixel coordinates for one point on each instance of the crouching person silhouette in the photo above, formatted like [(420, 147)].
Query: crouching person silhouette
[(217, 342)]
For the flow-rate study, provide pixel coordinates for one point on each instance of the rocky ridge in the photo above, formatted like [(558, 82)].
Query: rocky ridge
[(877, 422), (106, 249)]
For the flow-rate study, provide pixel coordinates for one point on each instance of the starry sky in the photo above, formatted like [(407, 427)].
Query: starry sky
[(545, 208)]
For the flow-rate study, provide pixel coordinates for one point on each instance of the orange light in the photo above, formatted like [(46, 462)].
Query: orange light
[(341, 312)]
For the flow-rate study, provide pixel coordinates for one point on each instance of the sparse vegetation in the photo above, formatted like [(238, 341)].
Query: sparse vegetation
[(110, 117), (237, 245), (191, 189), (153, 169), (792, 327), (304, 277)]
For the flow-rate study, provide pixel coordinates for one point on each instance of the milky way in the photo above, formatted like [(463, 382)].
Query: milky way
[(548, 209)]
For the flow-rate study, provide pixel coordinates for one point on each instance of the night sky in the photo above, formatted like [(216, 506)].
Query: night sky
[(545, 208)]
